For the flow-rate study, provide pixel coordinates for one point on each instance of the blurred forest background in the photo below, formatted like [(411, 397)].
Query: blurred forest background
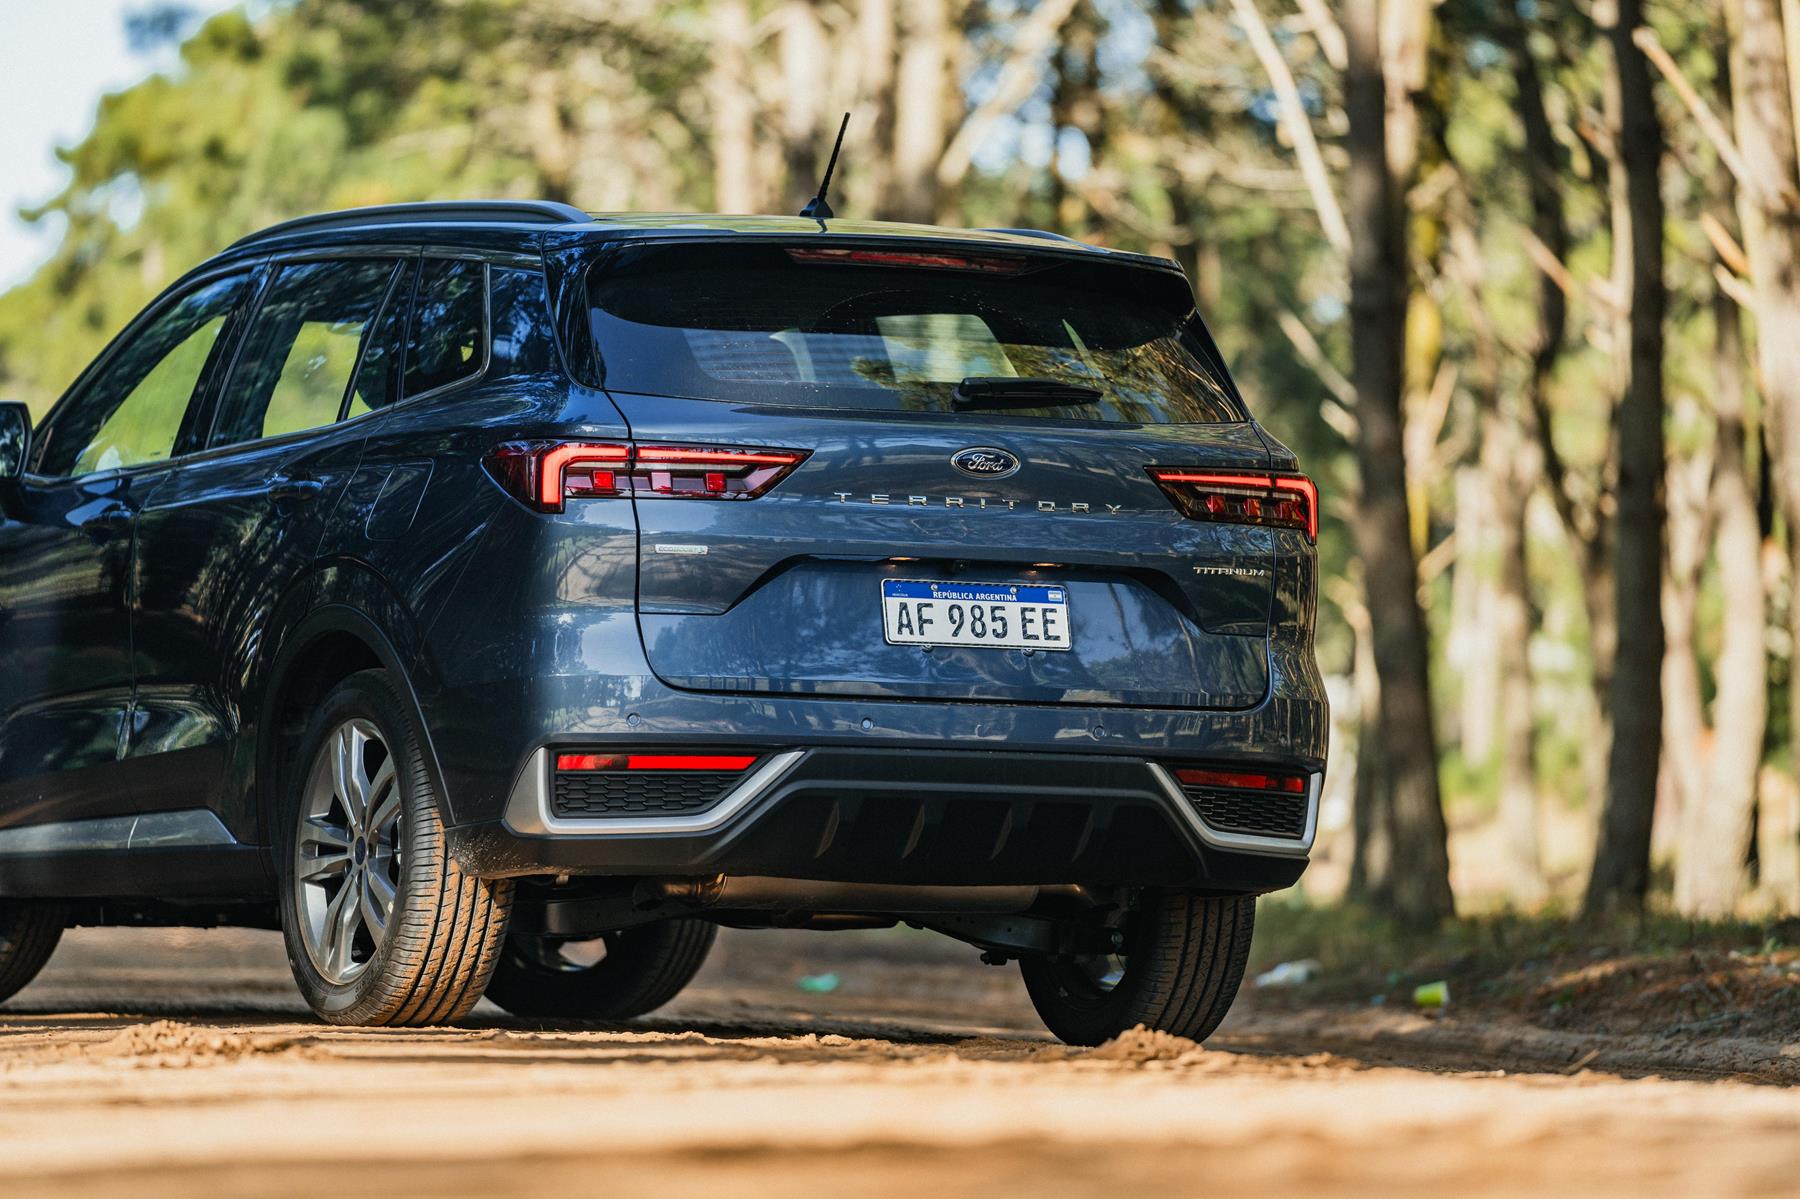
[(1519, 279)]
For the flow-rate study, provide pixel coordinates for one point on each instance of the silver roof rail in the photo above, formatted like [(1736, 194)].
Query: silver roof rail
[(534, 212)]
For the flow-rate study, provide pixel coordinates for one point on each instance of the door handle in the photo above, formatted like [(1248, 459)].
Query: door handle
[(291, 489)]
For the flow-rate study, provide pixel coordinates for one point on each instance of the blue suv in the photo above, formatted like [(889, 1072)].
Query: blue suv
[(498, 599)]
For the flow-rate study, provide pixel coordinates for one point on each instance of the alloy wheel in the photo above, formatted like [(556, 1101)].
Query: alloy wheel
[(347, 856)]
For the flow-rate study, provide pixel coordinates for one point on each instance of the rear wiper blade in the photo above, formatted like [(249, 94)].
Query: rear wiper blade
[(980, 391)]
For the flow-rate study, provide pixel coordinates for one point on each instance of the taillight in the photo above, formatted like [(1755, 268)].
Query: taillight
[(543, 474), (586, 763), (1243, 497), (1241, 780)]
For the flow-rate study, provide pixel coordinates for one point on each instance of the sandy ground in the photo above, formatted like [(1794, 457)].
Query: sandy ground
[(181, 1064)]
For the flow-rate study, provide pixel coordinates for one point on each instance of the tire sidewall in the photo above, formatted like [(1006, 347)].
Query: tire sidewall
[(1084, 1019), (612, 989)]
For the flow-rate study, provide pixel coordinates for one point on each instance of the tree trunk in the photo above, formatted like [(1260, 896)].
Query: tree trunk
[(1685, 735), (1621, 874), (1421, 881), (1777, 836), (1717, 825), (735, 186), (1372, 862), (1518, 803), (873, 125), (1544, 164), (1512, 478), (803, 61), (1764, 118), (1716, 831), (920, 119)]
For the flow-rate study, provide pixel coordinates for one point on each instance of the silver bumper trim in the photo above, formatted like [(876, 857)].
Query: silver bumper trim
[(1248, 842), (528, 808)]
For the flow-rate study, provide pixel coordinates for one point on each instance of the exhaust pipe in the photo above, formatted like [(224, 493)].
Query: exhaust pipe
[(760, 893)]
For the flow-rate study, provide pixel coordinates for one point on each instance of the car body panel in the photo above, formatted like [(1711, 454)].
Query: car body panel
[(782, 593), (65, 647)]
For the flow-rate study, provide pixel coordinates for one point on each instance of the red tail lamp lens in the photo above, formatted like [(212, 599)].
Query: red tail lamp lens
[(628, 761), (1234, 780), (543, 474), (1287, 501)]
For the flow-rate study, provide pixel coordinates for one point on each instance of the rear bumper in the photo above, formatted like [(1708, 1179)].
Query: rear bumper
[(906, 816)]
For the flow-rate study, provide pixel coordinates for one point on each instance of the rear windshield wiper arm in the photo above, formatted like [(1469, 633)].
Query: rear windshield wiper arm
[(998, 391)]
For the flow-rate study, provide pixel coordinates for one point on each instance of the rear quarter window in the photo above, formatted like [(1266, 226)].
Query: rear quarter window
[(448, 341), (907, 332)]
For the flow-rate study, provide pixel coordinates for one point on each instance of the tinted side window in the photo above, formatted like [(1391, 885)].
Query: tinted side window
[(302, 349), (378, 377), (449, 325), (132, 411)]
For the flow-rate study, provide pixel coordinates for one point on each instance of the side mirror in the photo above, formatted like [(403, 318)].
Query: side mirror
[(15, 438)]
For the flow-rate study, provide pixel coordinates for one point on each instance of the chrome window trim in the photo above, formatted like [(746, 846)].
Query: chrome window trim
[(528, 810)]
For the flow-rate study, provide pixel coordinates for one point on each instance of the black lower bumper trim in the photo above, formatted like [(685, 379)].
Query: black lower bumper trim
[(951, 818)]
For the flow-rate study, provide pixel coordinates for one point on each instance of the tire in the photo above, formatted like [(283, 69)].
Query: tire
[(1178, 971), (383, 927), (29, 931), (643, 969)]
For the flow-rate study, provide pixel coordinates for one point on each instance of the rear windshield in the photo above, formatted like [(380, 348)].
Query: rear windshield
[(907, 331)]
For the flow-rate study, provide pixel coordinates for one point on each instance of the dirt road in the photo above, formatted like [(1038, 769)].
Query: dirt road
[(181, 1064)]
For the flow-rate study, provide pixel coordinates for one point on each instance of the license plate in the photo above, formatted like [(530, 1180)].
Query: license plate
[(994, 615)]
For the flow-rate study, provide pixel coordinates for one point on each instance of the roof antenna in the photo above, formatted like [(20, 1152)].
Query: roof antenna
[(817, 208)]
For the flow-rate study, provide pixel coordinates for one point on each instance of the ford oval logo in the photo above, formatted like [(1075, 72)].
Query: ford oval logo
[(984, 462)]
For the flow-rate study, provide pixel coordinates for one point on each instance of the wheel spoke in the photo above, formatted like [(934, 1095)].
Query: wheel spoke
[(377, 903), (324, 851), (386, 798), (359, 775), (326, 836), (341, 919), (345, 776), (320, 870)]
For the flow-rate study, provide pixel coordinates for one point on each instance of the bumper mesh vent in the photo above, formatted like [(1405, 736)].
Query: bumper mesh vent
[(639, 793), (1257, 813)]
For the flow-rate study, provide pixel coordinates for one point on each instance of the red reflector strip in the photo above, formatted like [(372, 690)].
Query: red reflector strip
[(590, 762), (689, 761), (1241, 781)]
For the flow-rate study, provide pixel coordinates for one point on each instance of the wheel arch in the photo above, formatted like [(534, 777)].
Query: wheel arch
[(333, 640)]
